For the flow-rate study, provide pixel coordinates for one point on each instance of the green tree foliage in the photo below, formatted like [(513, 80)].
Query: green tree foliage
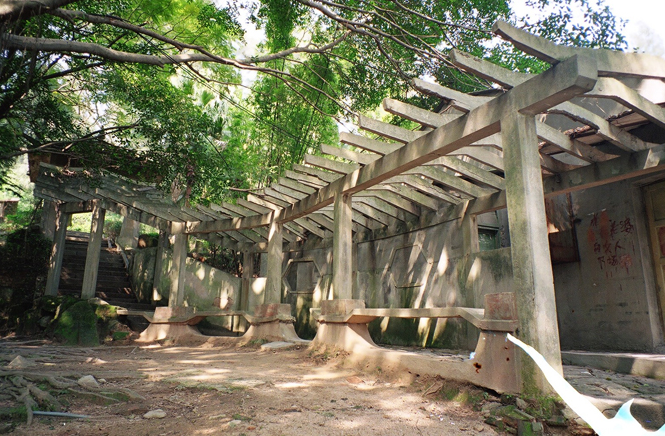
[(153, 90)]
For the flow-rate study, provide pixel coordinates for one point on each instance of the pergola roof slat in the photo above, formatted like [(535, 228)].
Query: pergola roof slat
[(389, 131), (325, 176), (361, 158), (373, 145), (330, 165), (416, 114), (610, 63)]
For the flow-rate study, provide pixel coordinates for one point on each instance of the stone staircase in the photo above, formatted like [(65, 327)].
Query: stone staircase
[(113, 284)]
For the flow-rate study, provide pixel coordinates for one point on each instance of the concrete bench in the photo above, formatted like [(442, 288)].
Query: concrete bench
[(190, 316), (493, 364), (501, 315)]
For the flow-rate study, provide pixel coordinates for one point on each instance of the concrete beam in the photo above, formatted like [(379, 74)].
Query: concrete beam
[(409, 194), (549, 134), (373, 145), (353, 156), (325, 176), (610, 63), (617, 91), (330, 165), (422, 185), (459, 100), (389, 131), (470, 171), (562, 82), (421, 116), (453, 182)]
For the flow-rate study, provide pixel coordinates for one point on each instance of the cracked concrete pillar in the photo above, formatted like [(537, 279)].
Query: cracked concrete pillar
[(177, 291), (94, 251), (247, 274), (273, 292), (129, 233), (342, 280), (57, 252), (162, 246), (532, 266)]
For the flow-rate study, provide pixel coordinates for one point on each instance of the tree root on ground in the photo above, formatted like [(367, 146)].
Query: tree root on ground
[(24, 387)]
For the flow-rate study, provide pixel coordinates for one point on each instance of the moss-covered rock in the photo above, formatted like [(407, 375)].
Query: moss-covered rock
[(77, 325)]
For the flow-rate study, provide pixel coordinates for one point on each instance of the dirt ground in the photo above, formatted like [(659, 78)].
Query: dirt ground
[(221, 388)]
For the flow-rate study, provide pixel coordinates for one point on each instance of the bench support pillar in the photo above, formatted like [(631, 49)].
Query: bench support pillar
[(272, 321)]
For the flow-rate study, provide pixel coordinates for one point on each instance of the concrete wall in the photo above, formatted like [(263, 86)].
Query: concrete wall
[(606, 301), (205, 286), (418, 268)]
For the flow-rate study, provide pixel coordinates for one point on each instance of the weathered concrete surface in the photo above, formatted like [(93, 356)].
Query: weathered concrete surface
[(129, 233), (273, 290), (205, 287), (177, 270), (607, 301), (342, 282), (492, 365), (646, 365), (175, 332), (278, 324), (608, 390), (57, 253), (532, 271), (92, 257)]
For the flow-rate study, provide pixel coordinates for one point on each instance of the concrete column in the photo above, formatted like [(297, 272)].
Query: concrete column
[(57, 251), (532, 266), (162, 245), (273, 293), (342, 280), (49, 219), (129, 233), (177, 292), (470, 233), (247, 273), (92, 256)]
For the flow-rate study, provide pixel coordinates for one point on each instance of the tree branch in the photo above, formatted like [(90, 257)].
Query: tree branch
[(92, 135), (14, 10)]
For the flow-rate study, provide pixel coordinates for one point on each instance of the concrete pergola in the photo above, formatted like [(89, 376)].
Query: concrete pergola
[(529, 137)]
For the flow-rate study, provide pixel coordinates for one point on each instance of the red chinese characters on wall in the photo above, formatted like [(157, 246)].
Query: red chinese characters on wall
[(612, 243)]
